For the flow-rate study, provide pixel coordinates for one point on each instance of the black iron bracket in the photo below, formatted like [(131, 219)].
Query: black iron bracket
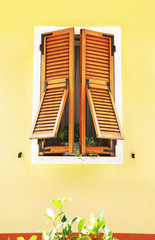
[(40, 146), (108, 84), (87, 83), (67, 83), (113, 47), (113, 147), (42, 42), (20, 154), (46, 84)]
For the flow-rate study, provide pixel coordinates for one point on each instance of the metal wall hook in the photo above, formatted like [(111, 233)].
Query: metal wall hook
[(19, 154)]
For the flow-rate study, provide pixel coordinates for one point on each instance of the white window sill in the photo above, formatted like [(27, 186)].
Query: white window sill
[(35, 159), (76, 160)]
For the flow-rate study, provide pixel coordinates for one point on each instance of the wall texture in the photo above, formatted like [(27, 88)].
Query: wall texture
[(126, 192)]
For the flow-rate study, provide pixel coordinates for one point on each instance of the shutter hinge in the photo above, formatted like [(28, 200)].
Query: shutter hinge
[(108, 84), (67, 83), (113, 147), (40, 146), (113, 47), (46, 84), (40, 47), (42, 42), (87, 83)]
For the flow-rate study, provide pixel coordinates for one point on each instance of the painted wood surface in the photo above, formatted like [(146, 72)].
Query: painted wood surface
[(120, 236)]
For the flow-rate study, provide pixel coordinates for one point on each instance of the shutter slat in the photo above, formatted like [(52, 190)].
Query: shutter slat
[(97, 61), (96, 57), (97, 53), (56, 66), (56, 77), (52, 43), (91, 73), (97, 48), (99, 43), (48, 116), (57, 53), (97, 71), (97, 67), (56, 60), (97, 39), (56, 70), (55, 38), (57, 57), (47, 101), (47, 121), (60, 73), (45, 104)]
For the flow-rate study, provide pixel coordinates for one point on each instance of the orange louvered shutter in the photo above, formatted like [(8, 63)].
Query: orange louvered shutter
[(57, 80), (97, 82)]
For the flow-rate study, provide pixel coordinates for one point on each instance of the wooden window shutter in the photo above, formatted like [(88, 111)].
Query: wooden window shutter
[(97, 82), (57, 81)]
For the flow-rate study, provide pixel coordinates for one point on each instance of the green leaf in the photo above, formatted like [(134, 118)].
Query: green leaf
[(81, 224), (73, 220), (85, 230), (76, 238), (69, 230), (50, 214), (45, 235), (92, 219), (8, 238), (106, 230), (110, 235), (52, 234), (64, 219), (58, 215), (57, 203), (64, 199), (85, 238), (20, 238), (101, 223), (59, 225), (67, 199), (100, 215), (91, 231), (64, 232), (102, 237), (33, 237)]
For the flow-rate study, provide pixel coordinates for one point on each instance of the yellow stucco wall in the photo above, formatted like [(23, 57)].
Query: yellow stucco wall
[(126, 192)]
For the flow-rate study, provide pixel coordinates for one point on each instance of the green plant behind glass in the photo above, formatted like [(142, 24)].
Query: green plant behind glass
[(63, 135)]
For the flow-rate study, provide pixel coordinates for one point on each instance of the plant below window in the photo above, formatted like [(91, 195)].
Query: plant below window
[(64, 226), (97, 227)]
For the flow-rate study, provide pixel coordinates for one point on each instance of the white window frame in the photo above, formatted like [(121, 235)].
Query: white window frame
[(35, 158)]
